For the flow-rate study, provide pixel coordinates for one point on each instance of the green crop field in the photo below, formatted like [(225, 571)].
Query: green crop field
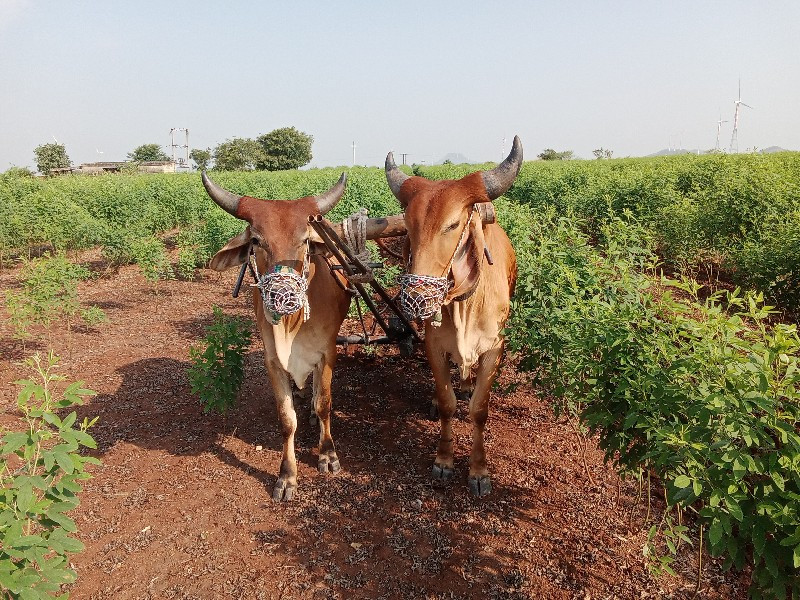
[(698, 387), (729, 217)]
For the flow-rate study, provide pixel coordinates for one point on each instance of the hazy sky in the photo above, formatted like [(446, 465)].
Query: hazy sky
[(425, 78)]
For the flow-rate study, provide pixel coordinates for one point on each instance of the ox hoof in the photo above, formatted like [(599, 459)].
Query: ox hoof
[(328, 464), (434, 412), (480, 485), (283, 490), (441, 472)]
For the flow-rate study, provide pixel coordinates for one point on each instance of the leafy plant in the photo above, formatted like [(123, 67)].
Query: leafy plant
[(147, 152), (285, 148), (217, 368), (238, 154), (41, 471), (49, 292), (51, 156), (201, 158), (149, 254), (702, 393)]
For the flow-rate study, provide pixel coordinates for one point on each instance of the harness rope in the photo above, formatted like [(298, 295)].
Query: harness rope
[(354, 230)]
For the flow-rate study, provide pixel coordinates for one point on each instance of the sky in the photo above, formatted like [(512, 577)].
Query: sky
[(422, 78)]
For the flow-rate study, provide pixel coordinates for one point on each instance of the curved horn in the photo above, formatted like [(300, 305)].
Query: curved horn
[(394, 176), (225, 200), (499, 179), (328, 200)]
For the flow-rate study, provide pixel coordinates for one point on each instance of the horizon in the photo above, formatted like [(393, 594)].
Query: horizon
[(422, 80)]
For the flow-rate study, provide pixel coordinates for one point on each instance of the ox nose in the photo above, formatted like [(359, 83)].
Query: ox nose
[(421, 295)]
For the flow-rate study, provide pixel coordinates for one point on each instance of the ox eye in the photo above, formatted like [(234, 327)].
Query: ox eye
[(451, 227)]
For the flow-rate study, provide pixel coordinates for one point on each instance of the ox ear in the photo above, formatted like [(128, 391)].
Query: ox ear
[(467, 262), (234, 253)]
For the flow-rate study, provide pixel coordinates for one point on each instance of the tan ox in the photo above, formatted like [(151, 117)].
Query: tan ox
[(297, 341), (461, 275)]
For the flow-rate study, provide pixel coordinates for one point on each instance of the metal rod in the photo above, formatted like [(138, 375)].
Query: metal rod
[(317, 223), (239, 279), (395, 309), (340, 243), (334, 237), (359, 339), (371, 265)]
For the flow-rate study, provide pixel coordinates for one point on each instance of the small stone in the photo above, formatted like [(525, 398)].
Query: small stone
[(355, 545), (259, 448), (417, 504)]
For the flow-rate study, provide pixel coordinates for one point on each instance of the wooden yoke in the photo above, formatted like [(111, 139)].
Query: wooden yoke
[(395, 225), (379, 227)]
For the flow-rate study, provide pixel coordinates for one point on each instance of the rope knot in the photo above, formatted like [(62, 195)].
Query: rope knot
[(354, 230)]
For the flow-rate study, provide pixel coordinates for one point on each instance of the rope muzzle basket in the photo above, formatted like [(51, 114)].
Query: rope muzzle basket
[(422, 296), (284, 291)]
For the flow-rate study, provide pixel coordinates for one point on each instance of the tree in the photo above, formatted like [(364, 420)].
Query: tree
[(51, 156), (285, 148), (550, 154), (15, 171), (201, 158), (238, 154), (602, 153), (148, 152)]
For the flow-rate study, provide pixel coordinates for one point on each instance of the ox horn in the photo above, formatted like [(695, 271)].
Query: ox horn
[(225, 200), (499, 179), (394, 176), (328, 200)]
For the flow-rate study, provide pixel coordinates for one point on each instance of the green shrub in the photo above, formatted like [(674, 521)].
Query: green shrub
[(150, 255), (703, 394), (217, 368), (42, 470), (198, 244), (49, 293)]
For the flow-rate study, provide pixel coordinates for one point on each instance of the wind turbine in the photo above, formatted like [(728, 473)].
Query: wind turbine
[(719, 126), (735, 136)]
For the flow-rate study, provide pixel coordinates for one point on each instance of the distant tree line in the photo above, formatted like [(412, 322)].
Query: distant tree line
[(550, 154), (280, 149)]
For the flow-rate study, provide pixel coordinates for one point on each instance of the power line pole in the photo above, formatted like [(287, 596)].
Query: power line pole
[(354, 153), (404, 154), (181, 161)]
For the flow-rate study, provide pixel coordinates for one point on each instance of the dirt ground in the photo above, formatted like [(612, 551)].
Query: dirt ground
[(181, 506)]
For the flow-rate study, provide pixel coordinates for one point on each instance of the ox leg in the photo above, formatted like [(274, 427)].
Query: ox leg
[(328, 460), (305, 396), (480, 483), (446, 401), (467, 383), (286, 485)]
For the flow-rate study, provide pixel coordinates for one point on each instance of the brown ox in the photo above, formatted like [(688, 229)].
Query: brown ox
[(461, 275), (294, 347)]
